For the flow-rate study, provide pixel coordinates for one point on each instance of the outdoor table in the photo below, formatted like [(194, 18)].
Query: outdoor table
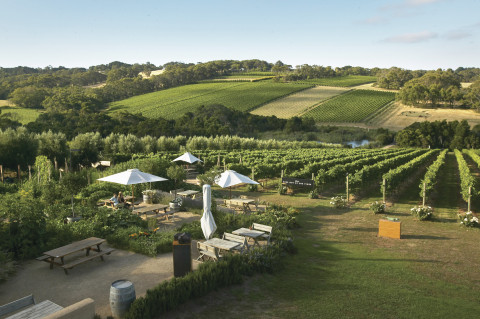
[(150, 208), (86, 244), (40, 310), (241, 202), (222, 244), (250, 233), (187, 193)]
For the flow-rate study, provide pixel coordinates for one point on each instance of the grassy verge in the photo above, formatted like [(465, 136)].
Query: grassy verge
[(343, 270)]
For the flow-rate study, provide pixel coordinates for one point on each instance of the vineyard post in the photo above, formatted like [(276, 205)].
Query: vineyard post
[(218, 160), (29, 172), (469, 197), (66, 165), (424, 187), (348, 197), (384, 186), (55, 162), (19, 176), (49, 173), (38, 175), (1, 172)]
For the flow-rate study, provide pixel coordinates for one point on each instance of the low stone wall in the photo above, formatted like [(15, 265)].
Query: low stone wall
[(84, 309)]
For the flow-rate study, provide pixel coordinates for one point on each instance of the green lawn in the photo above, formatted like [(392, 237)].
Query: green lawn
[(23, 115), (175, 102), (343, 270), (353, 106), (343, 81)]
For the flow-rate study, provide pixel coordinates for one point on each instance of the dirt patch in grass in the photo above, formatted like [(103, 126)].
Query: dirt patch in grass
[(400, 116)]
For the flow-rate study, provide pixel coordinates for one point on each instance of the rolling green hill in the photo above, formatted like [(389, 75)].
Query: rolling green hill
[(173, 103)]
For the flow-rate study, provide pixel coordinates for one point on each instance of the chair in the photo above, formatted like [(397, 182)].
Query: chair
[(266, 229), (207, 252)]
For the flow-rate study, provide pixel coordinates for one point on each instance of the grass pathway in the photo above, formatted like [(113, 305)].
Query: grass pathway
[(343, 270), (447, 200)]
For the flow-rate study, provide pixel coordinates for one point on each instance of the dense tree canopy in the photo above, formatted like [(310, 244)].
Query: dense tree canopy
[(439, 134)]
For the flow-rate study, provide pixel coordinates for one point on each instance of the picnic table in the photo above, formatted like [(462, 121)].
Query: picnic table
[(37, 311), (92, 243), (222, 244), (243, 203), (107, 201), (187, 193), (250, 233), (147, 208)]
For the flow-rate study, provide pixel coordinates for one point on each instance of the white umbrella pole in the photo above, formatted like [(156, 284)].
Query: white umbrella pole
[(133, 199)]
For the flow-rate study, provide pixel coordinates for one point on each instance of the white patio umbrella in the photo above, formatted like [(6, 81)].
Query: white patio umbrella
[(207, 222), (188, 158), (131, 177), (231, 178)]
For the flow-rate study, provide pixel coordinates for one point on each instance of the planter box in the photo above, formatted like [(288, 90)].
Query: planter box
[(390, 229)]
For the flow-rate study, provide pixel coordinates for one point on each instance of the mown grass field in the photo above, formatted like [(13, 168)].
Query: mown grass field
[(344, 270), (342, 81), (353, 106), (297, 103), (174, 102), (20, 114)]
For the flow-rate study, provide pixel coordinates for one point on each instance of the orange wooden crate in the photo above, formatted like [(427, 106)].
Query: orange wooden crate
[(390, 229)]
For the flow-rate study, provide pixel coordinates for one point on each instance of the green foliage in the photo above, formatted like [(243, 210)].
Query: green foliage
[(438, 134), (29, 96), (17, 147), (467, 181), (151, 244), (394, 78), (434, 88), (352, 106), (338, 202), (24, 233), (378, 208), (468, 220), (88, 147), (209, 176), (422, 212), (398, 174), (430, 180)]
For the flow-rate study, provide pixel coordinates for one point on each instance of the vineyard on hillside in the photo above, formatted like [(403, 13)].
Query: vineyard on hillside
[(174, 102), (366, 168), (352, 106), (342, 81), (297, 103)]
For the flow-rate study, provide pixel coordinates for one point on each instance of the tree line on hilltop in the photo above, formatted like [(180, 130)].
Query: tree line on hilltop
[(440, 88)]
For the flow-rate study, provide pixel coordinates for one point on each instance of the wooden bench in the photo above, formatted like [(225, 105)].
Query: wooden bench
[(16, 305), (207, 251), (87, 258), (266, 229), (42, 258), (236, 238)]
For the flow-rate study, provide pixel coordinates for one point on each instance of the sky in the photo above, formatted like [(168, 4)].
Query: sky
[(411, 34)]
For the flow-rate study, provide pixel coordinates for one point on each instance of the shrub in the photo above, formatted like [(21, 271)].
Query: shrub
[(313, 194), (422, 212), (377, 208), (338, 202), (253, 188), (468, 220)]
